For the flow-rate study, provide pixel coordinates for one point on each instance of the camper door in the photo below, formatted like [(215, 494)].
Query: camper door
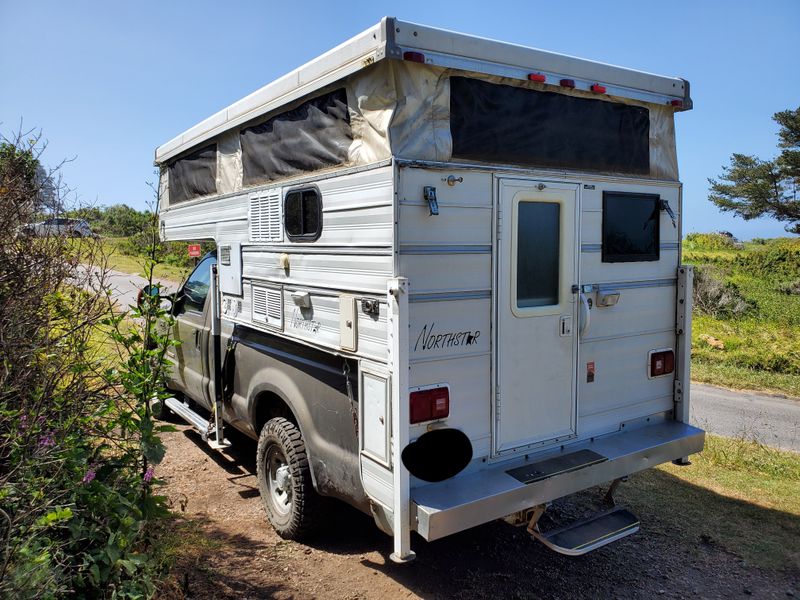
[(537, 313)]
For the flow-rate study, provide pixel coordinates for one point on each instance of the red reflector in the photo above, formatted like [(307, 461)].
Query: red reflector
[(662, 363), (427, 405), (570, 83), (414, 56), (678, 103), (600, 89), (537, 77)]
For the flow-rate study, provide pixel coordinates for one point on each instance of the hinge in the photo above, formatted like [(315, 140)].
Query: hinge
[(497, 403), (677, 392), (499, 224)]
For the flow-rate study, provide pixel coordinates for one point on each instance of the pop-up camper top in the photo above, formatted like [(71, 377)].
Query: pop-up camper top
[(447, 285)]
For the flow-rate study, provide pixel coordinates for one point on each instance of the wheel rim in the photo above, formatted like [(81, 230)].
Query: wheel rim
[(279, 481)]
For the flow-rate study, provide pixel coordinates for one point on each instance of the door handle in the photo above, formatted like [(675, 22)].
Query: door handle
[(586, 315), (197, 338)]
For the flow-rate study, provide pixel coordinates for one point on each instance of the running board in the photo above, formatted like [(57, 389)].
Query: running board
[(198, 422), (590, 534)]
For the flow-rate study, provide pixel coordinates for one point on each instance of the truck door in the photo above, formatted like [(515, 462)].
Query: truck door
[(190, 371), (536, 334)]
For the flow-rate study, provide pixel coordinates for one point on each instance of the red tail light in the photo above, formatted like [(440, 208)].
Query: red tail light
[(538, 77), (428, 405), (662, 363), (414, 56)]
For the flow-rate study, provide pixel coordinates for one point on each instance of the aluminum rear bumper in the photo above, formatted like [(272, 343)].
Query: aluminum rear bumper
[(459, 503)]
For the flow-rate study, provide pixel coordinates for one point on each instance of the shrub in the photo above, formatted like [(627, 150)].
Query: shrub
[(77, 441), (714, 296), (709, 241), (777, 260)]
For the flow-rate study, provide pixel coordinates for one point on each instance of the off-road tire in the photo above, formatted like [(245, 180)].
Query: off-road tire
[(302, 516)]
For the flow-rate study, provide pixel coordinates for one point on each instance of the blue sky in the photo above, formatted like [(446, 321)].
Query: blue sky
[(107, 82)]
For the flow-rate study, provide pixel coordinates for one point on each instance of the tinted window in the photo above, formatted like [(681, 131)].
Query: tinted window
[(312, 136), (302, 212), (193, 175), (506, 124), (196, 287), (630, 227), (538, 232)]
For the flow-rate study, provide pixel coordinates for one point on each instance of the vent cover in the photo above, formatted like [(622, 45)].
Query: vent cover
[(268, 306), (265, 217)]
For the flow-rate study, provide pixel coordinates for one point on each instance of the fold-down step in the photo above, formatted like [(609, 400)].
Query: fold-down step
[(592, 533)]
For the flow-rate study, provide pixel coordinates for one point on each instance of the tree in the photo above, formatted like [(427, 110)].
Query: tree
[(751, 187)]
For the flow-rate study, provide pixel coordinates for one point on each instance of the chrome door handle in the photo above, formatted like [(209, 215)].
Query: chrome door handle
[(586, 315)]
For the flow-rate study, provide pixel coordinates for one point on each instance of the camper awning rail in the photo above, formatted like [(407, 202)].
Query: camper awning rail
[(395, 39)]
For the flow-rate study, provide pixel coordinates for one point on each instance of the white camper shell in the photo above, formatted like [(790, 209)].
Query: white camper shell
[(453, 265)]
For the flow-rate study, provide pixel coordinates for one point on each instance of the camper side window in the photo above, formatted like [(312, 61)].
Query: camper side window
[(302, 214), (630, 227)]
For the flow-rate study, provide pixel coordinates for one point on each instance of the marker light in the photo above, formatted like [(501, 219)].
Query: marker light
[(568, 83), (537, 77), (599, 89), (662, 363), (676, 103), (414, 56), (428, 405)]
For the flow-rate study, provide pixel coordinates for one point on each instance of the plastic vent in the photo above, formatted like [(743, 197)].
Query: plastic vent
[(265, 217), (268, 306)]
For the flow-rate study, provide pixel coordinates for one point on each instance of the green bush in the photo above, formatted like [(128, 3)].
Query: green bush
[(714, 296), (776, 260), (709, 241)]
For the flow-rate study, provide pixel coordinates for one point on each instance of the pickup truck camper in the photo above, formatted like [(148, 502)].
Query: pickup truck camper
[(447, 285)]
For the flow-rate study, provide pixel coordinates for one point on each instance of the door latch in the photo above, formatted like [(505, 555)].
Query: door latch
[(429, 193), (565, 326)]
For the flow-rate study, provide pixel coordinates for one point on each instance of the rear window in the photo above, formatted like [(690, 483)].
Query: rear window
[(630, 227), (506, 124)]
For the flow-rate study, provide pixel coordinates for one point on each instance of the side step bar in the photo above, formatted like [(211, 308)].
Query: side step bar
[(592, 533), (207, 432)]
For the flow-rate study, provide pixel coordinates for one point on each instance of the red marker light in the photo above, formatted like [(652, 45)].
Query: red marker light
[(537, 77), (676, 103), (599, 89), (567, 83), (418, 57)]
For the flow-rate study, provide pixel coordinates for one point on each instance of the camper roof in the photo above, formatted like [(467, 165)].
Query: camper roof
[(392, 38)]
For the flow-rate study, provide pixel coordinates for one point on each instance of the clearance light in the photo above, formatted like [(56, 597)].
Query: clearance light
[(662, 363), (676, 103), (599, 89), (414, 56), (428, 405), (568, 83), (537, 77)]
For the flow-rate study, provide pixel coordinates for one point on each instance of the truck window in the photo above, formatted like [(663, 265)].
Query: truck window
[(505, 124), (630, 227), (537, 240), (194, 175), (312, 136), (302, 212), (196, 287)]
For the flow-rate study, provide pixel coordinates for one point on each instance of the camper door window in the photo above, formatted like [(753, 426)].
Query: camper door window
[(630, 227)]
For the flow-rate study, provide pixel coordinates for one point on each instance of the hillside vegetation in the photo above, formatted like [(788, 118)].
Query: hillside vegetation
[(746, 330)]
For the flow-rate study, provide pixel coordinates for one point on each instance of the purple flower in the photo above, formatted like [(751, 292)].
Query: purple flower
[(90, 475), (23, 422), (47, 440), (148, 475)]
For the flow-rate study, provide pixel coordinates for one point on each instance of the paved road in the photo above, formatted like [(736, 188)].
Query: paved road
[(125, 286), (771, 420)]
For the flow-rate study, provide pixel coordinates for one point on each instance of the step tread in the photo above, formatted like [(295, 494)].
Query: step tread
[(591, 533)]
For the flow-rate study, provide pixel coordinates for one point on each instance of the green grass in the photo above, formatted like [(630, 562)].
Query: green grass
[(736, 494), (134, 264), (761, 350)]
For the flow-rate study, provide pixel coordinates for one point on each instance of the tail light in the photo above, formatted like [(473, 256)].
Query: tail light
[(662, 363), (430, 404)]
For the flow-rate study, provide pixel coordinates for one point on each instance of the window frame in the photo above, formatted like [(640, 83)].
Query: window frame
[(187, 304), (303, 237), (606, 257)]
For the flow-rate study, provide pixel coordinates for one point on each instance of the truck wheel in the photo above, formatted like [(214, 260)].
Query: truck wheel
[(284, 479)]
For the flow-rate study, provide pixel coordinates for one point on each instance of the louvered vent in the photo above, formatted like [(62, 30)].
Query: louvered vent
[(265, 217), (268, 306)]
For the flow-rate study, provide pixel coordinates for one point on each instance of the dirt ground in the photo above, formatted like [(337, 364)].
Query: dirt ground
[(239, 555)]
